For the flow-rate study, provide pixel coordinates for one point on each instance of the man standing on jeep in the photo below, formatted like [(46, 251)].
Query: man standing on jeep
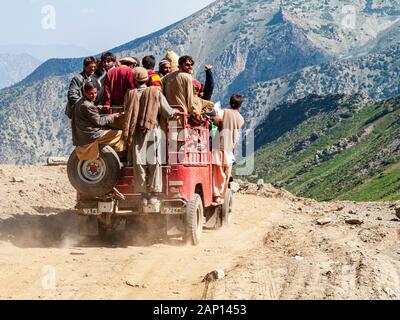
[(117, 82), (75, 91), (107, 62), (145, 108), (178, 86), (89, 127), (223, 154)]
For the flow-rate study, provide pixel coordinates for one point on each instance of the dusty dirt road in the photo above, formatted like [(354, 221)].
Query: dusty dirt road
[(280, 247)]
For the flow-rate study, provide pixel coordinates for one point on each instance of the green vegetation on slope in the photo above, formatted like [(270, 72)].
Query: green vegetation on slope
[(334, 147)]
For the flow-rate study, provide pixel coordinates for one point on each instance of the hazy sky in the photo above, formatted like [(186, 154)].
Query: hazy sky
[(93, 24)]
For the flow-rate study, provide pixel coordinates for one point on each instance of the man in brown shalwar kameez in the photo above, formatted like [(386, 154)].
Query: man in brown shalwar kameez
[(145, 107), (177, 86), (179, 90), (223, 156)]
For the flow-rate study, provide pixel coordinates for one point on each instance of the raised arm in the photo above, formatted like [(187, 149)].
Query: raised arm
[(210, 84)]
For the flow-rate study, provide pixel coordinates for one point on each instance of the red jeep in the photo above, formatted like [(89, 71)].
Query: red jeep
[(106, 195)]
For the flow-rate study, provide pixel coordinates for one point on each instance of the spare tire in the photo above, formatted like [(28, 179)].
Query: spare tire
[(95, 178)]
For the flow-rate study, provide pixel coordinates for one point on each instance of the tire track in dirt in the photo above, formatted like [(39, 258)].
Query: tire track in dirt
[(275, 250)]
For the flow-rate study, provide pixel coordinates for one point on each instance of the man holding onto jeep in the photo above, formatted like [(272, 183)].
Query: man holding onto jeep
[(89, 127), (146, 109), (223, 153)]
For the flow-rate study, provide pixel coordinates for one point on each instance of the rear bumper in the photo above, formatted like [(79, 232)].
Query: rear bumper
[(126, 208)]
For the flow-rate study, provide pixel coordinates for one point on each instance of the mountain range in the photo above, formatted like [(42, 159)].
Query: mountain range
[(274, 52), (45, 52)]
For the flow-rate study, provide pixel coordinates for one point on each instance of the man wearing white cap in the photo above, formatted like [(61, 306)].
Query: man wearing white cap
[(164, 68)]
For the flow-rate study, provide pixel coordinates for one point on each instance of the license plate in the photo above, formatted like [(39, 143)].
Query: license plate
[(173, 210), (90, 212)]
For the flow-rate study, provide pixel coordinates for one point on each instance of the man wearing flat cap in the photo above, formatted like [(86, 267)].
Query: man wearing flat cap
[(145, 108), (128, 61)]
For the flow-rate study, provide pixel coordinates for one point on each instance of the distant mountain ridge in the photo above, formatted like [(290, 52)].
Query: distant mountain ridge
[(45, 52), (15, 67), (271, 50)]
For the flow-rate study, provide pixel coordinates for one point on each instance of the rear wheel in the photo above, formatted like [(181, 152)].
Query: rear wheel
[(227, 218), (194, 221)]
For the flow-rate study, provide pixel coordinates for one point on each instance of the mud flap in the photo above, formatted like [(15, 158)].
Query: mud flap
[(88, 226), (213, 217), (174, 225)]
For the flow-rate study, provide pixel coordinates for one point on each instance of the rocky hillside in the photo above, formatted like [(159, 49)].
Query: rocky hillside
[(332, 147), (15, 67), (250, 43), (32, 122), (376, 74)]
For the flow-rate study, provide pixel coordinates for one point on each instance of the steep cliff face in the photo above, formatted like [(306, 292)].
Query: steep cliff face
[(282, 50), (271, 50)]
